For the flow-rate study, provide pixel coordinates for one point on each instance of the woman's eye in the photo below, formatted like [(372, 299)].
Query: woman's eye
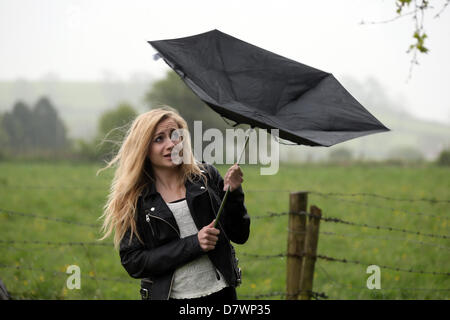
[(158, 139)]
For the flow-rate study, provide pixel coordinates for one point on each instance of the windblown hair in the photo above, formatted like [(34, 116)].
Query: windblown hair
[(134, 172)]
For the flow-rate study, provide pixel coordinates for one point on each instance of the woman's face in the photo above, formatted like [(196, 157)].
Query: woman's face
[(161, 145)]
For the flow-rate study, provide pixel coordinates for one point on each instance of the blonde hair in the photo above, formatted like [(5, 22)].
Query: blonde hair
[(132, 176)]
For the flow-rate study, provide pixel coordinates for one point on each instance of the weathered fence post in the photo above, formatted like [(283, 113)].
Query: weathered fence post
[(312, 239), (4, 295), (296, 242)]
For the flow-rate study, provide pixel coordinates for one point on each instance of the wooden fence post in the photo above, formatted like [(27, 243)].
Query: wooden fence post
[(296, 243), (312, 239)]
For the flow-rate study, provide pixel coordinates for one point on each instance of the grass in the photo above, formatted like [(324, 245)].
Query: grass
[(74, 193)]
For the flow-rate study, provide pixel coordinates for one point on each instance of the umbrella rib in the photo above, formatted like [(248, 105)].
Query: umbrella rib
[(309, 89)]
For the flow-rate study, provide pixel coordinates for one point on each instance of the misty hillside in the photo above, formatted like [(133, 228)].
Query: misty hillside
[(80, 104)]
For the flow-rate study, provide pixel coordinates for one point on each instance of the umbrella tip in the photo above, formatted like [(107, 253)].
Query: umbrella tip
[(156, 56)]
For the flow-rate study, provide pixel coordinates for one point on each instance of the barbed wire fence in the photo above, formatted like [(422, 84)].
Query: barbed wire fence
[(342, 197), (376, 227)]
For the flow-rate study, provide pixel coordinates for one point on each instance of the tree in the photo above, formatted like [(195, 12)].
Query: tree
[(18, 126), (173, 92), (417, 9), (340, 155), (406, 154), (3, 138), (112, 127), (49, 130), (444, 158)]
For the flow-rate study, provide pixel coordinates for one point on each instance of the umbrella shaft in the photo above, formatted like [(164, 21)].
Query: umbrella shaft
[(243, 149), (222, 205)]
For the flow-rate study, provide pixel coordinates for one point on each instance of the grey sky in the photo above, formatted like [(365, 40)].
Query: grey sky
[(85, 40)]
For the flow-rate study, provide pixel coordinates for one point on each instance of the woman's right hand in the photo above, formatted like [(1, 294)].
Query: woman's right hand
[(207, 237)]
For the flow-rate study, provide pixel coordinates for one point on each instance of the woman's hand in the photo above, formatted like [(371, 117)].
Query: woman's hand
[(207, 237), (233, 178)]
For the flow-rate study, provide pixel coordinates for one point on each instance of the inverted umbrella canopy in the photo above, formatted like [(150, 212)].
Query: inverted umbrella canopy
[(250, 85)]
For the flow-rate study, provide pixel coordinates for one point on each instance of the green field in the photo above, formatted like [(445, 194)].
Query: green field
[(73, 193)]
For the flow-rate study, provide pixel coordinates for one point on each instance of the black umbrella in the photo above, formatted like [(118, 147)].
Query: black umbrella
[(250, 85)]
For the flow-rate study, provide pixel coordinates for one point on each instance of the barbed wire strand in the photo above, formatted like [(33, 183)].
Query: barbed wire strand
[(103, 244), (384, 238), (342, 260), (51, 243), (274, 215), (32, 215), (365, 194), (338, 220), (344, 286), (65, 187), (55, 273), (313, 294), (365, 204), (269, 215), (360, 235), (411, 270)]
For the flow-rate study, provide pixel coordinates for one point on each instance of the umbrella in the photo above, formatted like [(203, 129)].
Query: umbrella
[(250, 85)]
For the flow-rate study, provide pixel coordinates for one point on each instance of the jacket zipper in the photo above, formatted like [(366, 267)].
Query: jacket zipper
[(233, 264), (147, 218), (171, 283)]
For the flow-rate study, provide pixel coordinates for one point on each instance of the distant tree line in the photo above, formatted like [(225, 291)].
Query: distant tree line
[(400, 155), (38, 132)]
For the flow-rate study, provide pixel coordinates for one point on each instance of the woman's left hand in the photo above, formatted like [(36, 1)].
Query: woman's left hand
[(233, 178)]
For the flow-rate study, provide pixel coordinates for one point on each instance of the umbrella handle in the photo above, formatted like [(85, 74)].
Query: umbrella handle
[(222, 205)]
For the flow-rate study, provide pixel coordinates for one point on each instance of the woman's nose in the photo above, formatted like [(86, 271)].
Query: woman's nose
[(170, 143)]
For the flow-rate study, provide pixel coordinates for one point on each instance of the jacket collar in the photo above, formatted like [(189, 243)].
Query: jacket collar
[(193, 189)]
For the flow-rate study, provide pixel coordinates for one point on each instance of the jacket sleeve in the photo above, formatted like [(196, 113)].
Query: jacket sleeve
[(141, 262), (234, 219)]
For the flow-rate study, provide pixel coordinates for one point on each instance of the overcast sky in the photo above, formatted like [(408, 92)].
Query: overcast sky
[(85, 40)]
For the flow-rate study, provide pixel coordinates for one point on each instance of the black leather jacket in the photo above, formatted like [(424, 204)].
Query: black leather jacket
[(155, 260)]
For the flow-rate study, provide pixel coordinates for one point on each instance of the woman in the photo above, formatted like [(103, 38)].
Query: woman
[(162, 214)]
